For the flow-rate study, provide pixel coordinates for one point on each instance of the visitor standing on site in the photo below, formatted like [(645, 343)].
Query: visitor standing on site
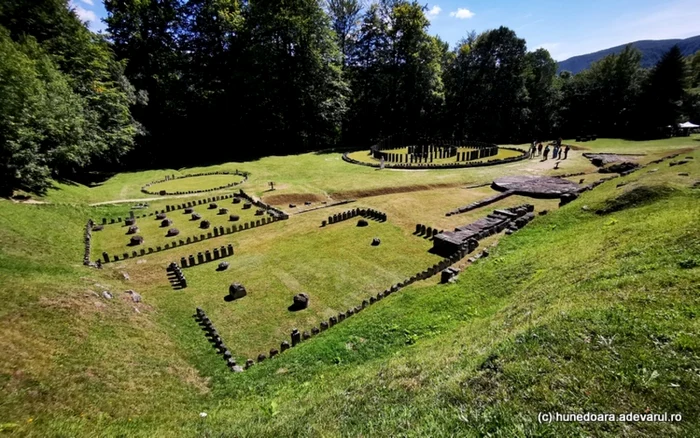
[(546, 152), (566, 151)]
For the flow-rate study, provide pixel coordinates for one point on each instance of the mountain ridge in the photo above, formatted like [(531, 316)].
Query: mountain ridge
[(652, 50)]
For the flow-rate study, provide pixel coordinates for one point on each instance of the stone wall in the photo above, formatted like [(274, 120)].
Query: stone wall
[(215, 232), (451, 241), (275, 212), (88, 242), (144, 189), (480, 203), (213, 336)]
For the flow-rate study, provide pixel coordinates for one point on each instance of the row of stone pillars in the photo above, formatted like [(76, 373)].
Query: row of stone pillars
[(349, 214), (208, 256), (216, 232)]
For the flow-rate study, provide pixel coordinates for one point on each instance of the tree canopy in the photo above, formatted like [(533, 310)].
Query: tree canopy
[(176, 82)]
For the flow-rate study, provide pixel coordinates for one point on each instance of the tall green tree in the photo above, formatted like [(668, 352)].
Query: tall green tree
[(486, 92), (212, 48), (43, 124), (87, 122), (345, 21), (145, 33), (294, 87), (603, 99), (416, 61), (369, 77), (540, 73), (661, 102)]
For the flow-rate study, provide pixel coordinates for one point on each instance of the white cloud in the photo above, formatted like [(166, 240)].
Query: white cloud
[(434, 11), (462, 13), (85, 14), (88, 2)]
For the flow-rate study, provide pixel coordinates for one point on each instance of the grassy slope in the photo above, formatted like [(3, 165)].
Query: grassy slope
[(578, 312)]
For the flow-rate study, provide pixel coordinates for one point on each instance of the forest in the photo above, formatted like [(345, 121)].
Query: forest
[(175, 83)]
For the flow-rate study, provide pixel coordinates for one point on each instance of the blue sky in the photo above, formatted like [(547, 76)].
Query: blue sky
[(566, 27)]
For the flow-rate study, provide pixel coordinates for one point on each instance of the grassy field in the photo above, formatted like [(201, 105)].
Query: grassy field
[(326, 174), (194, 183), (591, 308), (114, 240)]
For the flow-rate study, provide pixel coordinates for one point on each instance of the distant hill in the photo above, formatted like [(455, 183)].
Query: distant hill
[(651, 53)]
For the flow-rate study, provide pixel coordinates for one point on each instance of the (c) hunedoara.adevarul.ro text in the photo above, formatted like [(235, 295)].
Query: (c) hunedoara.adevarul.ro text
[(591, 417)]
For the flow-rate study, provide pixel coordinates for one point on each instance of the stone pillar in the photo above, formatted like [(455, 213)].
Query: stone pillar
[(230, 249), (296, 337), (183, 262), (324, 326), (207, 255), (217, 254), (105, 256), (191, 260), (284, 346), (200, 258)]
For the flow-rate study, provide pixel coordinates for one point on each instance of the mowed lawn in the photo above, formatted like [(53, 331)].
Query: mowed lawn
[(114, 240), (194, 183), (336, 266), (324, 174)]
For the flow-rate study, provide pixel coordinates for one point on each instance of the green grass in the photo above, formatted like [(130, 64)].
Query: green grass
[(114, 240), (195, 183), (327, 174), (580, 311)]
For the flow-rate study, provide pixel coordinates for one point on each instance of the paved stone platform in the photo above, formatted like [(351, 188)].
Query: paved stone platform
[(602, 159), (536, 186)]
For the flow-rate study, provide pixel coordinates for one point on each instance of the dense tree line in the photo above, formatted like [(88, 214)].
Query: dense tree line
[(64, 100), (177, 82)]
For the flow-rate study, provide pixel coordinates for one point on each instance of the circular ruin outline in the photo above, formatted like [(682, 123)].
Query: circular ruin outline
[(483, 150), (244, 174)]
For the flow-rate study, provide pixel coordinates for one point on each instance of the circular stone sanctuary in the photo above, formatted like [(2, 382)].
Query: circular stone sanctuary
[(536, 186), (402, 153), (195, 183)]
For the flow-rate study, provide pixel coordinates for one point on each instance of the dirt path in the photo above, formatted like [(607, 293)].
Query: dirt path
[(159, 198)]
